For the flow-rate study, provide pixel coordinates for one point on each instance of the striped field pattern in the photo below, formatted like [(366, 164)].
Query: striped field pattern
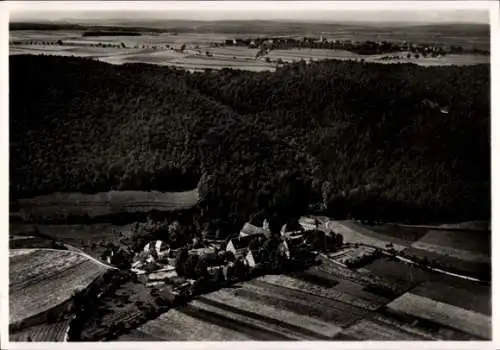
[(41, 279)]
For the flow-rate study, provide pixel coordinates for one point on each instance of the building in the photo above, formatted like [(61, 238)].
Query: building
[(239, 245), (287, 230), (251, 230), (254, 258), (158, 249), (265, 225), (202, 251), (290, 245), (309, 223)]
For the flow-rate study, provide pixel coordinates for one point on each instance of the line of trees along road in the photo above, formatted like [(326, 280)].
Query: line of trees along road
[(347, 138)]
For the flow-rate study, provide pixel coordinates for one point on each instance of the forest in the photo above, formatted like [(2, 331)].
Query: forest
[(347, 139)]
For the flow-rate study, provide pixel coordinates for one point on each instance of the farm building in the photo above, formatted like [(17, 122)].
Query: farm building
[(158, 249), (254, 257), (163, 274), (249, 230), (309, 223), (291, 245), (239, 245), (202, 251), (291, 228)]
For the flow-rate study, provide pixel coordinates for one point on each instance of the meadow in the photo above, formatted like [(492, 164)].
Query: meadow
[(106, 203)]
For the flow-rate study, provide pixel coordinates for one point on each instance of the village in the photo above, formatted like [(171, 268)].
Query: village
[(178, 274)]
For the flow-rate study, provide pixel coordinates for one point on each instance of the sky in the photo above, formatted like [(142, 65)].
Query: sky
[(431, 12)]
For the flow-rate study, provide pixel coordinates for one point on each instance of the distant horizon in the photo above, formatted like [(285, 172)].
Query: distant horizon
[(317, 12)]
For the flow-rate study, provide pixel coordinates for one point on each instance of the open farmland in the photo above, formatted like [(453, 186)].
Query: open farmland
[(449, 315), (399, 273), (400, 234), (200, 62), (273, 307), (296, 307), (467, 295), (107, 203), (465, 245), (89, 238), (369, 329), (46, 332), (476, 269), (356, 233), (33, 42), (41, 279)]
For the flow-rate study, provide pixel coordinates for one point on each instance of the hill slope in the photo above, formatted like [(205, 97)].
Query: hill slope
[(352, 138)]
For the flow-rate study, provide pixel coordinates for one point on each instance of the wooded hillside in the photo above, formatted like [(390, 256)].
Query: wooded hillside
[(393, 142)]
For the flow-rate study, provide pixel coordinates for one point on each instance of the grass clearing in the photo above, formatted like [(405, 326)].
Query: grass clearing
[(106, 203), (448, 315)]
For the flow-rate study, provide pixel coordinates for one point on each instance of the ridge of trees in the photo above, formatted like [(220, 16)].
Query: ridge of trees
[(345, 138)]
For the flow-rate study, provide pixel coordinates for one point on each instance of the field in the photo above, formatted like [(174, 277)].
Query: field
[(128, 305), (463, 251), (158, 48), (90, 238), (402, 234), (46, 332), (399, 273), (107, 203), (449, 315), (480, 270), (463, 245), (467, 295), (41, 279), (298, 307), (356, 233)]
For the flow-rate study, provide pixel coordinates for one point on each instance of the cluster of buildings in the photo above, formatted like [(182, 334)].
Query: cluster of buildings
[(155, 264)]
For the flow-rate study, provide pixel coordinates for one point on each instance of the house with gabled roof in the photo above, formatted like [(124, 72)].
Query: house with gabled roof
[(250, 230), (254, 257), (309, 223), (290, 244), (158, 249), (239, 245)]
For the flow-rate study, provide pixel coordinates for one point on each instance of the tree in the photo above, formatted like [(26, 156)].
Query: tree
[(190, 266), (174, 232), (240, 269), (180, 261), (255, 243), (201, 268)]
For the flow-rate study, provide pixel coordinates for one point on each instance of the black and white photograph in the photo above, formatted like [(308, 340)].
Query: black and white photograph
[(249, 171)]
